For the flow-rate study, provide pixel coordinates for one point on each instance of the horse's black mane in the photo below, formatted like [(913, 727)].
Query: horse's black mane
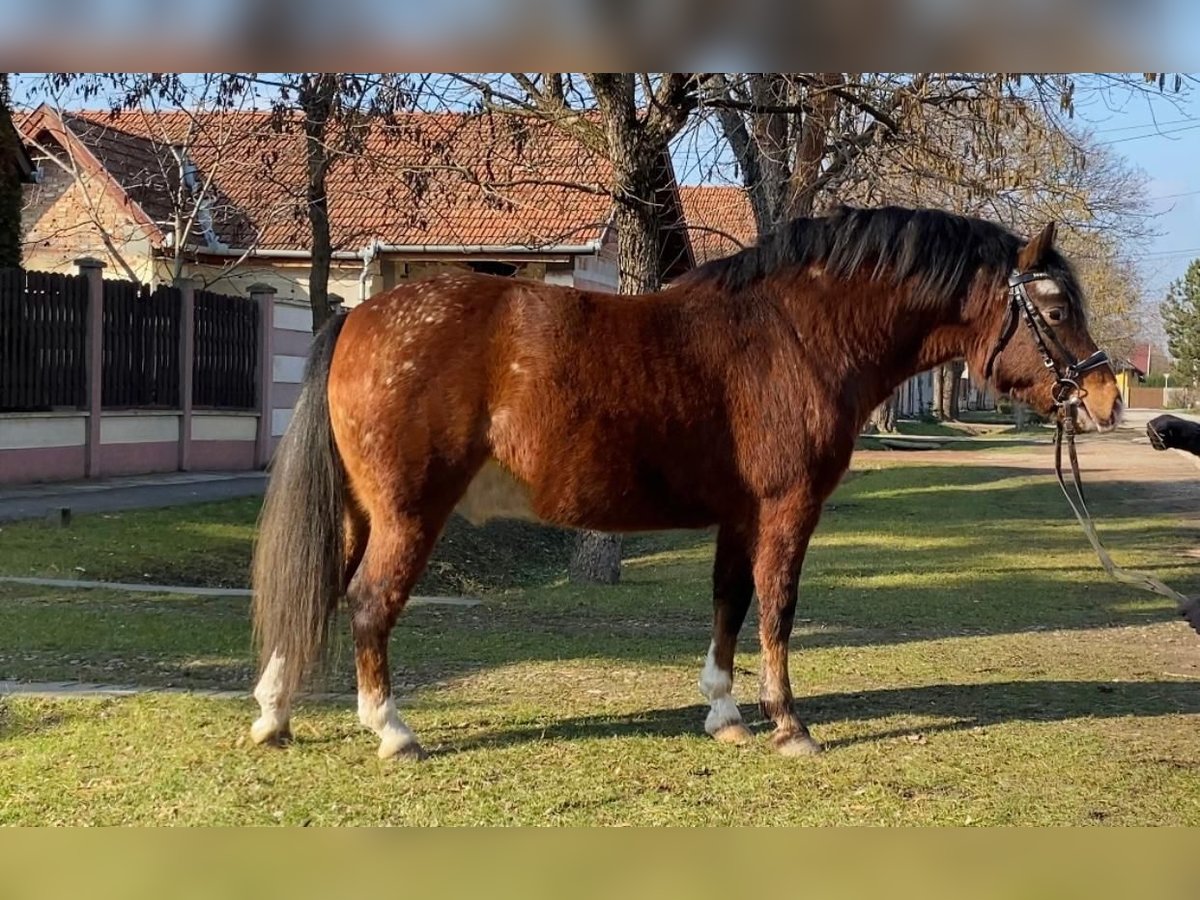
[(940, 251)]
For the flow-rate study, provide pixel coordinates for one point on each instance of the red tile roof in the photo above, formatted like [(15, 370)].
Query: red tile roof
[(719, 220), (424, 179), (1140, 358)]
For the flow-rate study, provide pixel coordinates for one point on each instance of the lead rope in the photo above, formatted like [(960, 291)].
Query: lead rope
[(1189, 607)]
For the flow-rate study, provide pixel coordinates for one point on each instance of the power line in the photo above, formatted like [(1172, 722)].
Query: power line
[(1155, 133), (1159, 254), (1155, 125), (1173, 196)]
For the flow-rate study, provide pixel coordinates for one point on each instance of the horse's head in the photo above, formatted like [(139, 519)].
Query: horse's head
[(1035, 343)]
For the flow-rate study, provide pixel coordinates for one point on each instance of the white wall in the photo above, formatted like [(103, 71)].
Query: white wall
[(38, 431)]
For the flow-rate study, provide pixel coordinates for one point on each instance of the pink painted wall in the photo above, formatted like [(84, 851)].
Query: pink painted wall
[(139, 459), (41, 464), (220, 455)]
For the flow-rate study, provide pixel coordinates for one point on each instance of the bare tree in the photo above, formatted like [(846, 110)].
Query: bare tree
[(331, 112), (997, 145)]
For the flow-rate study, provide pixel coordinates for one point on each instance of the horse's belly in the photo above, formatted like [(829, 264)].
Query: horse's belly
[(495, 494)]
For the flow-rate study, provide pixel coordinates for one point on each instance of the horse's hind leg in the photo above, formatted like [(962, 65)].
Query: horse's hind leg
[(273, 726), (733, 586), (396, 553), (357, 530)]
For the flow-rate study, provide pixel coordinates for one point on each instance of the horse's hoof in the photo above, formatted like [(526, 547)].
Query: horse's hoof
[(737, 733), (270, 734), (796, 745), (409, 752)]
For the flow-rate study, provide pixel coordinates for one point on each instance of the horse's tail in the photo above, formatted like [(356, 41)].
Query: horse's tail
[(298, 558)]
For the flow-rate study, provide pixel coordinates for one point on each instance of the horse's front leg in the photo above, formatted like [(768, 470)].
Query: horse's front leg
[(733, 586), (785, 528)]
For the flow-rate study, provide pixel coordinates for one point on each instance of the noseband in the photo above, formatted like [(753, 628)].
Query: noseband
[(1067, 393), (1067, 396)]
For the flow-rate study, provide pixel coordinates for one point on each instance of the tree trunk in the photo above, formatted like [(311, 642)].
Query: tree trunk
[(954, 388), (947, 402), (939, 393), (884, 416), (596, 559), (638, 174), (10, 185), (318, 96)]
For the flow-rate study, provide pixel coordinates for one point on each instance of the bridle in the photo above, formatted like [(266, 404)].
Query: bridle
[(1068, 395), (1066, 392)]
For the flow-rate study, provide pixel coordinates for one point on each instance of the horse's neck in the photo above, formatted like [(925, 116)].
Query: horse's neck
[(884, 344)]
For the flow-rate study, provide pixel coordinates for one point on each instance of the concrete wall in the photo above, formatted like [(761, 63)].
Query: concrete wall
[(50, 446), (288, 277), (42, 446), (290, 343)]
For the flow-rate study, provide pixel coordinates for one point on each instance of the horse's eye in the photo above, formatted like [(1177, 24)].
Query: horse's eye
[(1056, 314)]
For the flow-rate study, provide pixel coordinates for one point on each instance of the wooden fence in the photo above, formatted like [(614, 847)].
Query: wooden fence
[(141, 346), (226, 349), (1146, 397), (44, 339)]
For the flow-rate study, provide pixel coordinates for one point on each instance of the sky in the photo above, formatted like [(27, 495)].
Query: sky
[(1162, 138)]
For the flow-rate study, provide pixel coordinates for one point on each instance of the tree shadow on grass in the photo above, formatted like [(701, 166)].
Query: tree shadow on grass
[(965, 706)]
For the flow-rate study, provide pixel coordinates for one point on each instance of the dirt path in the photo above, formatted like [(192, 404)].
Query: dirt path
[(1169, 480)]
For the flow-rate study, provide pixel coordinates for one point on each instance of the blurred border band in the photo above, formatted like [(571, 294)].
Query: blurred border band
[(541, 864), (502, 35)]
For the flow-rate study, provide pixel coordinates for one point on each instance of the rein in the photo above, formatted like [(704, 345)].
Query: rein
[(1067, 397)]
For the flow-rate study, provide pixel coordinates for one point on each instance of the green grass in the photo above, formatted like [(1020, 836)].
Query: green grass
[(210, 545), (956, 648)]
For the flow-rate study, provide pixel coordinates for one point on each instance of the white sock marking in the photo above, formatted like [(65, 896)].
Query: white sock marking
[(273, 703), (717, 687), (379, 714)]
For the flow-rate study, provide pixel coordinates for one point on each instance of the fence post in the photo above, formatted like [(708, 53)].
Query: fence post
[(93, 270), (187, 354), (264, 296)]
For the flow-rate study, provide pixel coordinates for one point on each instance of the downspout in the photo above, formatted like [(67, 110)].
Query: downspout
[(369, 253)]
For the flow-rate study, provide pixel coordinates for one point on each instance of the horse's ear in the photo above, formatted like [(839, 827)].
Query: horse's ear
[(1034, 253)]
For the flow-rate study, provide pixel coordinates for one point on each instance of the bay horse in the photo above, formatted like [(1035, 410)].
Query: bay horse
[(732, 398)]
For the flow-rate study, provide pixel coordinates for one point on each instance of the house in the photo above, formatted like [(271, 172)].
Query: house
[(719, 220), (220, 198), (1129, 376), (1144, 361)]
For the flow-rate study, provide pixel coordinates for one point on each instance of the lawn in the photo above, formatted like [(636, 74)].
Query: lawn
[(956, 649)]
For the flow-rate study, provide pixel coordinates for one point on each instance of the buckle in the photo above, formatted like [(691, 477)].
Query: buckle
[(1016, 279), (1069, 396)]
